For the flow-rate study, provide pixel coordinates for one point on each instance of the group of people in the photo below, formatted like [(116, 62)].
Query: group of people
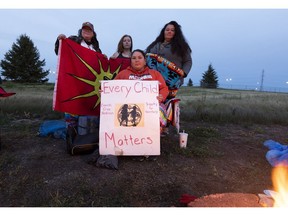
[(170, 44)]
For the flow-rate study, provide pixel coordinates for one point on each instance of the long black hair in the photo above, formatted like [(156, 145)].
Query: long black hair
[(178, 42)]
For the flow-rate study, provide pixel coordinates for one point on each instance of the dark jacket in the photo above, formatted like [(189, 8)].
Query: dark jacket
[(78, 39)]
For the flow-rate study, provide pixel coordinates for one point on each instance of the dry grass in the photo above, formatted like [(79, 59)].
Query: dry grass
[(220, 105), (215, 105)]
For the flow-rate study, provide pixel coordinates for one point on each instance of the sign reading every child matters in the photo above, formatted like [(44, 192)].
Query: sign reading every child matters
[(129, 118)]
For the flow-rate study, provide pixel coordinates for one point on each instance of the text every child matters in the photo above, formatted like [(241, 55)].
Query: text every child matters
[(137, 88), (139, 139)]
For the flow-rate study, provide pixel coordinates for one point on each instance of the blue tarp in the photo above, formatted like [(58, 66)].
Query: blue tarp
[(277, 154), (55, 128)]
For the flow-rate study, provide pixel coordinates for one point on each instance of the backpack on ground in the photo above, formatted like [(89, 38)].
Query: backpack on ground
[(83, 138)]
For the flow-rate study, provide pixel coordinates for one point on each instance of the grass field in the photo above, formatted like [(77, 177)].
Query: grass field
[(212, 105)]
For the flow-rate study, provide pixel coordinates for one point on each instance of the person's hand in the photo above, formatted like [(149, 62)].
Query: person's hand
[(61, 36), (160, 98), (115, 55)]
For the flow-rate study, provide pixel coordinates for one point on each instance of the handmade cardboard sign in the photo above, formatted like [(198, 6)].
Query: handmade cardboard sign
[(129, 118)]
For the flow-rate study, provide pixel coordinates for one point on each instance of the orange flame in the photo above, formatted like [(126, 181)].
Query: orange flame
[(280, 184)]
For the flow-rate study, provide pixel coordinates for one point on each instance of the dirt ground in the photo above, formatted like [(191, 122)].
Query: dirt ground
[(220, 158)]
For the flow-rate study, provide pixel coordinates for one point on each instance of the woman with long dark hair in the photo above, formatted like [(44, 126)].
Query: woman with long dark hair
[(172, 45), (124, 48)]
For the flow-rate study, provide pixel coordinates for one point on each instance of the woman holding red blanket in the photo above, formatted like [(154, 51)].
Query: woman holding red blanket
[(86, 37)]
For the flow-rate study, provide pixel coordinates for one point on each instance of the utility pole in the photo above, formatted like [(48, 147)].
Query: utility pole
[(262, 79)]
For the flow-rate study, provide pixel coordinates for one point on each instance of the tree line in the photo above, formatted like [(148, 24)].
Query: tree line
[(22, 64)]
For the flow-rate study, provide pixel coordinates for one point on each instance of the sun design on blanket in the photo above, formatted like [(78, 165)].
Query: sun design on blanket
[(102, 75)]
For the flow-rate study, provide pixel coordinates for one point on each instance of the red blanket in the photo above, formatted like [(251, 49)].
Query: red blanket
[(3, 93), (79, 73)]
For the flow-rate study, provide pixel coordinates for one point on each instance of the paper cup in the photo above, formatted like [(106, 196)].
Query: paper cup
[(183, 137)]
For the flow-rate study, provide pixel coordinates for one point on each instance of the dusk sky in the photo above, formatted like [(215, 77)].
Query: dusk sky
[(242, 44)]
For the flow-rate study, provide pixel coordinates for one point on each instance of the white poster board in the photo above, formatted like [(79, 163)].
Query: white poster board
[(129, 118)]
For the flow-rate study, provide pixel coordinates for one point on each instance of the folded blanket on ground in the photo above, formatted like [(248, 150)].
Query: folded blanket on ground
[(55, 128), (277, 154)]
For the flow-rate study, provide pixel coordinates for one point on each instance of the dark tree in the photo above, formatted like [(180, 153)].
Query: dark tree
[(190, 83), (22, 63), (209, 78)]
